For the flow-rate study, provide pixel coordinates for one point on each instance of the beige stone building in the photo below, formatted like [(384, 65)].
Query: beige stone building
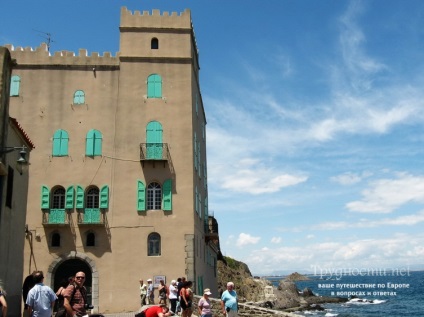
[(118, 183), (15, 146)]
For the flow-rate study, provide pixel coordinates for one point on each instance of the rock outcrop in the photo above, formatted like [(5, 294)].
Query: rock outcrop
[(260, 292)]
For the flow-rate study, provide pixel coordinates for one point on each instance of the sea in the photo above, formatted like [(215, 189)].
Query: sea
[(380, 294)]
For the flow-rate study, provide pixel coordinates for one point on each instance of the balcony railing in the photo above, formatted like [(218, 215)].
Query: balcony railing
[(154, 152), (211, 229), (91, 216), (58, 217)]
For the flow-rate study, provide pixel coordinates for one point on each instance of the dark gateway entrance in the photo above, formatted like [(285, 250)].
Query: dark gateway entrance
[(70, 268)]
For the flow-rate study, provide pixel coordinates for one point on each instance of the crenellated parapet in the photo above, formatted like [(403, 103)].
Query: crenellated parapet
[(155, 19), (42, 56), (173, 31)]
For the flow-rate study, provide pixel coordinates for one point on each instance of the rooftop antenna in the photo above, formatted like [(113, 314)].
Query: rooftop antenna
[(47, 36)]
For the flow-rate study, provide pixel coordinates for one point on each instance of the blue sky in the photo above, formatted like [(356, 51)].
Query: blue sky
[(315, 116)]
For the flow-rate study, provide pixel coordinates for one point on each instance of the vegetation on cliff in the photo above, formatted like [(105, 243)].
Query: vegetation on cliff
[(248, 288)]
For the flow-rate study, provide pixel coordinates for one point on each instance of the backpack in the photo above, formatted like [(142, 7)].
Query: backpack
[(61, 311)]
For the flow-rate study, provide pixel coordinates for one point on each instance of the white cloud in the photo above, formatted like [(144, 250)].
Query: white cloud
[(396, 251), (276, 240), (249, 176), (246, 239), (386, 195), (347, 179)]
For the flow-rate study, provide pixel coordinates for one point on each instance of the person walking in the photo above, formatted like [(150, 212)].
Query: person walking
[(229, 303), (186, 297), (41, 298), (150, 299), (143, 292), (173, 296), (204, 305), (76, 297), (163, 292)]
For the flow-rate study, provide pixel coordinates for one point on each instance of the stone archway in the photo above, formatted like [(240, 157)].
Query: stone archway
[(86, 262)]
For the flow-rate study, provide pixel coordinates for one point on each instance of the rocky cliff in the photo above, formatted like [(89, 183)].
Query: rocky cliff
[(260, 292)]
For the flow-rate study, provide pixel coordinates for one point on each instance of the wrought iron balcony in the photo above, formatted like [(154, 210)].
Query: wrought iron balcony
[(91, 216), (211, 229), (56, 217), (154, 152)]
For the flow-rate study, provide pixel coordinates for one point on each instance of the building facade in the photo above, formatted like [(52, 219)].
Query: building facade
[(118, 184), (15, 145)]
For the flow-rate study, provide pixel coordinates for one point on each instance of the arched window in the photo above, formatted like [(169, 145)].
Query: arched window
[(60, 143), (153, 244), (15, 85), (154, 196), (55, 240), (58, 198), (57, 212), (154, 86), (92, 198), (79, 97), (93, 145), (90, 239), (92, 210), (154, 44)]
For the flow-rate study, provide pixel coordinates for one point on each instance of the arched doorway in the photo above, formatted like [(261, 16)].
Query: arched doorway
[(77, 262), (69, 268)]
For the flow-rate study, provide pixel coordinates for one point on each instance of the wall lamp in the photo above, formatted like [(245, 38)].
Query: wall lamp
[(22, 160)]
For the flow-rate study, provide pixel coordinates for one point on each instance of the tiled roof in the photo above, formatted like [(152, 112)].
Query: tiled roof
[(22, 131)]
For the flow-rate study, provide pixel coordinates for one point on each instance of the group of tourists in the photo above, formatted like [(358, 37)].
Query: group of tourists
[(69, 300), (180, 296)]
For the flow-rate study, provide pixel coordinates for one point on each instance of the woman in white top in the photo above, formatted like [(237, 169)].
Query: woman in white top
[(173, 296)]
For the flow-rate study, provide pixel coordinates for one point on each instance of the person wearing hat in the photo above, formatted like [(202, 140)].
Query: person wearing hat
[(143, 292), (150, 298), (204, 305)]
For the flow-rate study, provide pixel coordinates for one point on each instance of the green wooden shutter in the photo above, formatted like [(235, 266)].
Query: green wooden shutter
[(60, 143), (167, 195), (89, 143), (154, 86), (79, 200), (45, 197), (196, 201), (79, 97), (15, 85), (154, 134), (195, 151), (69, 201), (97, 150), (141, 196), (93, 143), (104, 197)]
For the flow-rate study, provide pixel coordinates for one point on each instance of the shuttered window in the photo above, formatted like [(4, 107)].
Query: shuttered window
[(79, 97), (60, 143), (154, 134), (93, 143), (154, 86), (15, 85)]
